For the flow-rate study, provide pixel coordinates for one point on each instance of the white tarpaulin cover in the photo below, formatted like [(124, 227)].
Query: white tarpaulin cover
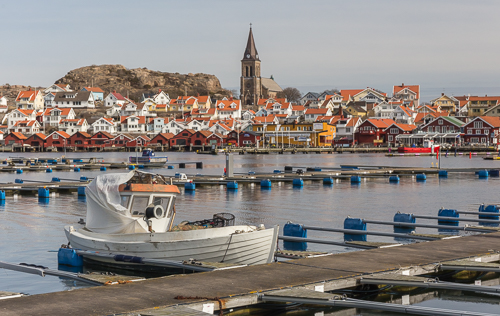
[(105, 214)]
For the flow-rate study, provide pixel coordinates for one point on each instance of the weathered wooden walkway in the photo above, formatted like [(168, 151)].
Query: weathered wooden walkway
[(239, 287)]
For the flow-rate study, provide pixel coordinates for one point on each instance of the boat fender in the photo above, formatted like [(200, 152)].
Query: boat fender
[(125, 258), (155, 211)]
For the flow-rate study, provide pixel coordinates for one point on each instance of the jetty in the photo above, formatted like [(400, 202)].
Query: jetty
[(226, 289)]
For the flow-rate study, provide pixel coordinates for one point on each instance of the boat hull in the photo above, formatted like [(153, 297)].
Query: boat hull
[(414, 150), (233, 244)]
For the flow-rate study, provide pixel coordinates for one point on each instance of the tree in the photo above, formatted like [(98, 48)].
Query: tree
[(331, 91), (291, 94)]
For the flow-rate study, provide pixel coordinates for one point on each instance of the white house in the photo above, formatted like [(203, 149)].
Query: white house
[(49, 99), (161, 98), (133, 124), (248, 115), (174, 127), (228, 108), (131, 108), (105, 124), (26, 127), (346, 127), (72, 126), (58, 87), (53, 116), (30, 100), (310, 96), (18, 115), (114, 98), (310, 115), (77, 99), (3, 100), (156, 125)]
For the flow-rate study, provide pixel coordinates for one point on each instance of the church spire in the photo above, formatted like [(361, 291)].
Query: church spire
[(251, 51)]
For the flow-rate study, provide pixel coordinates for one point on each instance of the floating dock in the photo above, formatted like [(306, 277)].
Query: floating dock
[(249, 285)]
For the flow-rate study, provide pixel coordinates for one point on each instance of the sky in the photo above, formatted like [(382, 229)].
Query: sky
[(445, 46)]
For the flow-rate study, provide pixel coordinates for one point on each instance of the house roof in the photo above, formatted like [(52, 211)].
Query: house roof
[(404, 127), (492, 120), (30, 94), (67, 96), (414, 88), (18, 135), (40, 135), (225, 105), (165, 135), (108, 135), (93, 89), (270, 84), (346, 94), (320, 111), (26, 123), (298, 108), (61, 133), (142, 119), (64, 111), (264, 119), (381, 123), (84, 134), (118, 96), (79, 122)]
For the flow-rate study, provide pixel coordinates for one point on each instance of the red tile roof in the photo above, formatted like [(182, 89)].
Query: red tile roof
[(30, 94), (414, 88), (321, 111), (18, 135), (94, 89)]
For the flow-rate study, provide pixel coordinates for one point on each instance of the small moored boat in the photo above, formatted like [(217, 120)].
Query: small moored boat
[(147, 158), (133, 213)]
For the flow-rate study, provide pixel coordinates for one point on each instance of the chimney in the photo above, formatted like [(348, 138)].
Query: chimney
[(114, 91), (403, 84), (442, 93), (159, 90), (341, 112)]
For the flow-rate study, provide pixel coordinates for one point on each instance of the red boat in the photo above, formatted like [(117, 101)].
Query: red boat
[(414, 150)]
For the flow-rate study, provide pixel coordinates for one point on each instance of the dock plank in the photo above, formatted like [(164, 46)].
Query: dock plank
[(248, 280)]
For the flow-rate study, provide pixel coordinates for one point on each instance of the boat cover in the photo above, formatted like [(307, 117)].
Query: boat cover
[(105, 214)]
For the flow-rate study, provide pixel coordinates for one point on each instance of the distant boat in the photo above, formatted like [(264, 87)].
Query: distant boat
[(133, 213), (148, 157), (428, 148)]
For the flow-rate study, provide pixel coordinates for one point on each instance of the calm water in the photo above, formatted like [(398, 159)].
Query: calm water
[(30, 231)]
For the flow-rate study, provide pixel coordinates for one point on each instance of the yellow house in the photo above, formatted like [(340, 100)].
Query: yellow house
[(183, 104), (445, 103), (356, 110), (301, 134), (478, 106)]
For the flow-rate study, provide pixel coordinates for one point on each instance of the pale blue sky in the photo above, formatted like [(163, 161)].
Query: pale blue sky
[(446, 46)]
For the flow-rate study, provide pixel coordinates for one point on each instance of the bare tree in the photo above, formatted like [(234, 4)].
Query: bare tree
[(291, 94), (331, 91)]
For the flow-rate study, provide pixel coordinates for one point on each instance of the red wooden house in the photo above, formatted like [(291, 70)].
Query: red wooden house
[(206, 138), (246, 139), (80, 140), (162, 139), (372, 131), (396, 129), (36, 140), (443, 124), (183, 138), (15, 138), (138, 141), (120, 140), (482, 130), (57, 139), (101, 139)]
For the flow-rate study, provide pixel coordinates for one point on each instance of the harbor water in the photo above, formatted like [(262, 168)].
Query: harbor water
[(31, 231)]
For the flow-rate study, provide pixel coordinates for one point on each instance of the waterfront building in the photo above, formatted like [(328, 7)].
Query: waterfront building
[(482, 130), (373, 131), (295, 134), (161, 139), (58, 139), (396, 129)]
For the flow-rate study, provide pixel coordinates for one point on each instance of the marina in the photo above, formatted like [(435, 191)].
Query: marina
[(284, 202)]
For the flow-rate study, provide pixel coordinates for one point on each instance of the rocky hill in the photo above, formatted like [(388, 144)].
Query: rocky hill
[(139, 80)]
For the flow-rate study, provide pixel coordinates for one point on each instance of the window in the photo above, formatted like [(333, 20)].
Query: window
[(440, 122), (478, 124), (478, 131), (139, 204), (124, 200), (55, 136), (483, 139), (438, 129), (390, 138), (163, 201)]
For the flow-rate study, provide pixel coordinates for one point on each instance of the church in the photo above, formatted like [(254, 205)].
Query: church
[(252, 86)]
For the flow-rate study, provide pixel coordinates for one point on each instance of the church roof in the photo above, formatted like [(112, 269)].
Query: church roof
[(251, 49), (270, 84)]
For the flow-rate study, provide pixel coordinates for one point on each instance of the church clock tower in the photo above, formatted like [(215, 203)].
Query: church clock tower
[(250, 83)]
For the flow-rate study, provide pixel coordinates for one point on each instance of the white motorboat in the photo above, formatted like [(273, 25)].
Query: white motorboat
[(133, 213)]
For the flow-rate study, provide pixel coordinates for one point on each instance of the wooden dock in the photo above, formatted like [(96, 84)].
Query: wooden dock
[(241, 286)]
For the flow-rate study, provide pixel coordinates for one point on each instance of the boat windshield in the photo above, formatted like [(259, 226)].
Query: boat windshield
[(163, 201), (139, 205), (124, 199)]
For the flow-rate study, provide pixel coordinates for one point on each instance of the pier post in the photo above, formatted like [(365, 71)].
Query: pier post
[(229, 165)]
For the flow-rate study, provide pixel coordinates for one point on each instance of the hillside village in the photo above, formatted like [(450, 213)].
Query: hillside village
[(48, 120)]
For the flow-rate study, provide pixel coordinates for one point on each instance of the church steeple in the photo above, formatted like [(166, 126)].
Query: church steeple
[(251, 50)]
